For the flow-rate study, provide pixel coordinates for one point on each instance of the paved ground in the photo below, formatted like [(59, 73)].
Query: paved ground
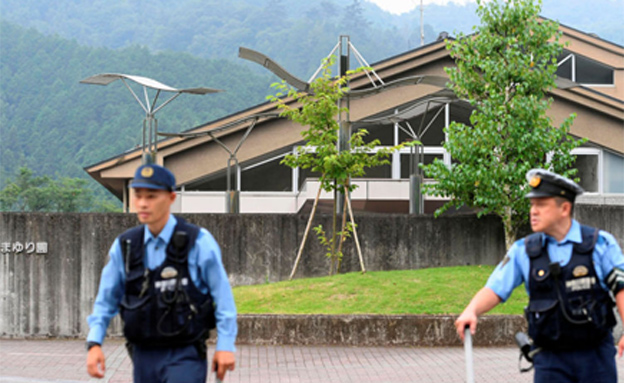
[(45, 361)]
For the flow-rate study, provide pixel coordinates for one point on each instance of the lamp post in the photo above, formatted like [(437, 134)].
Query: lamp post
[(232, 196), (150, 123), (439, 100), (345, 48)]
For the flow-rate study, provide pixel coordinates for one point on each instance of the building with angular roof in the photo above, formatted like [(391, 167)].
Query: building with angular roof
[(590, 84)]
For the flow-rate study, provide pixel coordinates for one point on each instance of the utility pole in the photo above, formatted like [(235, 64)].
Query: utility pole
[(344, 133), (422, 26)]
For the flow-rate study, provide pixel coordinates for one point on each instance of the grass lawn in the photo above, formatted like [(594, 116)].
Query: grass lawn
[(444, 290)]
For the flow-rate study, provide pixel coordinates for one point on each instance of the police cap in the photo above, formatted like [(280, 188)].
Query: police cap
[(152, 176), (544, 183)]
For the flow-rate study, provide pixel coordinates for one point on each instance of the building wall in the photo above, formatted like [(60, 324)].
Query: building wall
[(51, 292)]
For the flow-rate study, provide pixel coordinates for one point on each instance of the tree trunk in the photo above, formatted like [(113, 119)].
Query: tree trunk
[(333, 239), (342, 233), (510, 231)]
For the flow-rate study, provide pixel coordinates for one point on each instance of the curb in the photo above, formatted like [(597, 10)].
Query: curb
[(373, 330)]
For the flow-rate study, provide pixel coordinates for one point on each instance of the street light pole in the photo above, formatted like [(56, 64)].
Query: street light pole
[(149, 146), (344, 125)]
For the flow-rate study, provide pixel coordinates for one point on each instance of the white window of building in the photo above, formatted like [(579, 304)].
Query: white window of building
[(613, 172), (584, 70), (589, 165)]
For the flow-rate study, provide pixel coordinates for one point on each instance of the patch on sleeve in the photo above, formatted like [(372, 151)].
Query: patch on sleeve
[(504, 261), (615, 280)]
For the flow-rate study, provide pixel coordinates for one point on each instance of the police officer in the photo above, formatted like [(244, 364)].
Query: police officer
[(571, 273), (167, 280)]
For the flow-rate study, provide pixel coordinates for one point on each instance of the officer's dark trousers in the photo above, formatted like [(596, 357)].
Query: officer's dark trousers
[(584, 366), (169, 365)]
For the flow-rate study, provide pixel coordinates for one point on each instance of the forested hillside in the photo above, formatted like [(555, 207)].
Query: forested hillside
[(54, 125), (293, 31)]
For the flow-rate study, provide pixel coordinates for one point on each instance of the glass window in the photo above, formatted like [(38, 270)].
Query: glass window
[(215, 183), (591, 72), (565, 68), (405, 162), (434, 136), (383, 133), (381, 171), (587, 165), (583, 70), (269, 176), (461, 112), (305, 174), (613, 173)]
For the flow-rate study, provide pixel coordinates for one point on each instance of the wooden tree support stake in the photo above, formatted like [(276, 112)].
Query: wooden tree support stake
[(305, 235), (355, 236)]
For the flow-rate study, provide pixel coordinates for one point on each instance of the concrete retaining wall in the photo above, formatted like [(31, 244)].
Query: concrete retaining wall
[(50, 293), (373, 330)]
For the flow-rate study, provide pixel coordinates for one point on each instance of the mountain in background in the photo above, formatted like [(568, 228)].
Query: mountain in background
[(294, 32), (56, 126)]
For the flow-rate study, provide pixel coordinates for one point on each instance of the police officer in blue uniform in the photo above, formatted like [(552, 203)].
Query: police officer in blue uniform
[(167, 281), (573, 274)]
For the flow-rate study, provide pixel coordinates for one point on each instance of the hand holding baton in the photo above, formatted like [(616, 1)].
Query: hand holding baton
[(468, 353)]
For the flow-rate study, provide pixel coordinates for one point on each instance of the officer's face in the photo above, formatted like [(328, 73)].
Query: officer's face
[(153, 206), (547, 213)]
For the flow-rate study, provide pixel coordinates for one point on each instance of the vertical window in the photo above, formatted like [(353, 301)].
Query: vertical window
[(613, 173), (589, 163)]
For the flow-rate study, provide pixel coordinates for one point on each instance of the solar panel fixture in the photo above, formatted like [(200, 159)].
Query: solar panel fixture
[(150, 123), (436, 103), (345, 49)]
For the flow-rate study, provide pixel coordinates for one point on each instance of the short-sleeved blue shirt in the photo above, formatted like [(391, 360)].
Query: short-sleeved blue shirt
[(514, 269), (206, 271)]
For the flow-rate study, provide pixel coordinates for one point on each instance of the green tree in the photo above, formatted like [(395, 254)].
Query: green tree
[(71, 195), (504, 70), (26, 193), (319, 111), (30, 193)]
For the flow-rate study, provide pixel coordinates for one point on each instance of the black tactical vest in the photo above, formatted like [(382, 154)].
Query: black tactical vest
[(568, 309), (163, 307)]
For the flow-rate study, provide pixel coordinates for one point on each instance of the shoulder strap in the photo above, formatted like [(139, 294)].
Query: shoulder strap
[(589, 237), (182, 240), (131, 242), (533, 244), (135, 236)]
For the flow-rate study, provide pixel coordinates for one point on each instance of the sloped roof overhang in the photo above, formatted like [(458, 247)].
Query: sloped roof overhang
[(109, 171)]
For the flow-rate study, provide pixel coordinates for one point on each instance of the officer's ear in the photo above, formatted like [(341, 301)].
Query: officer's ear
[(173, 196), (565, 205)]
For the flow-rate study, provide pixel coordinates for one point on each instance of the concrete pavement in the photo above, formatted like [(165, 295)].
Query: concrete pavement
[(63, 361)]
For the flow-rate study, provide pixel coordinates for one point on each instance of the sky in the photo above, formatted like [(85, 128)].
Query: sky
[(401, 6)]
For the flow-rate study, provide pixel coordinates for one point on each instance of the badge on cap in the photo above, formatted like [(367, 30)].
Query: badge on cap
[(147, 172), (580, 271), (535, 181), (168, 273)]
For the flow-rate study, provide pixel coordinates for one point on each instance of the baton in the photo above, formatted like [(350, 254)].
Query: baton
[(468, 353), (217, 380)]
